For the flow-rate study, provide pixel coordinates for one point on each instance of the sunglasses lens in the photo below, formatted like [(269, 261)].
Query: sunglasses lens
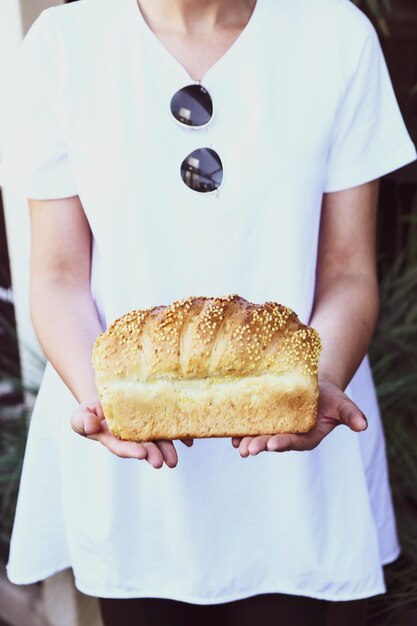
[(192, 106), (202, 170)]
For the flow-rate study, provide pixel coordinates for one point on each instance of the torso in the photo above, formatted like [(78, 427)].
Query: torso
[(276, 95)]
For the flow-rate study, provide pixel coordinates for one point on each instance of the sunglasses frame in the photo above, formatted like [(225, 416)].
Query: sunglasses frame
[(202, 127), (197, 82)]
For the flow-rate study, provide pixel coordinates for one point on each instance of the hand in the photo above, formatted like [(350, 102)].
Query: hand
[(334, 408), (88, 420)]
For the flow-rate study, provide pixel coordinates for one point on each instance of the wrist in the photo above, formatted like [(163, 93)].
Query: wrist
[(90, 395), (325, 377)]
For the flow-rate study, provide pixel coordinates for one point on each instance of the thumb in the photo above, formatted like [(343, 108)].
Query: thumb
[(86, 421), (352, 416)]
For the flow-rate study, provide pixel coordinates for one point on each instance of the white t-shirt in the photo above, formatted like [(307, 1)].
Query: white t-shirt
[(303, 105)]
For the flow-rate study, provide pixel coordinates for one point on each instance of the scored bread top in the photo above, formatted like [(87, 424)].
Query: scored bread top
[(199, 337)]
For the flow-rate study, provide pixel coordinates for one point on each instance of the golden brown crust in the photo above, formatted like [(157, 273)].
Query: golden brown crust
[(252, 406), (207, 339)]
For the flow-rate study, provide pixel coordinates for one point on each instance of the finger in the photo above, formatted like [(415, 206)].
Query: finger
[(187, 442), (120, 447), (258, 444), (334, 405), (154, 455), (169, 452), (244, 445), (352, 416), (92, 423), (298, 442), (95, 407), (236, 441), (84, 422)]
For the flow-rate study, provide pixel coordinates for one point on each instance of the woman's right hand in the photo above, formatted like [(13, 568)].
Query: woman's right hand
[(88, 420)]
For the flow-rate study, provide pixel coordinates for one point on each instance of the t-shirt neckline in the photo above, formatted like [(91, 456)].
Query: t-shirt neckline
[(176, 65)]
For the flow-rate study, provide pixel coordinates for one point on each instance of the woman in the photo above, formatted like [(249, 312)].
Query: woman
[(304, 123)]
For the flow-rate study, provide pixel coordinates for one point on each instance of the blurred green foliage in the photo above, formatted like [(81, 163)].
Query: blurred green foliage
[(16, 400), (393, 356)]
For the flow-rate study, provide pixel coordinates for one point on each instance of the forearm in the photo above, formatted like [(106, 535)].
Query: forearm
[(345, 315), (66, 323)]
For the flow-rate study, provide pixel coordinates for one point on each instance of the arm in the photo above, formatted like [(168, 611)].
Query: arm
[(65, 318), (62, 311), (346, 301), (345, 311)]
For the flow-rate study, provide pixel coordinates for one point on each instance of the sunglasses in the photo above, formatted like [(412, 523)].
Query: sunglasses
[(202, 169)]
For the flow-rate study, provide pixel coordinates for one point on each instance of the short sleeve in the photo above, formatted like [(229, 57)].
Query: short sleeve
[(34, 157), (369, 137)]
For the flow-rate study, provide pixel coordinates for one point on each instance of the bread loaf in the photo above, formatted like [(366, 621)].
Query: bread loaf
[(207, 367)]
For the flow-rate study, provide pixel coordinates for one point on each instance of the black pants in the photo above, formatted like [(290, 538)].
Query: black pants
[(270, 609)]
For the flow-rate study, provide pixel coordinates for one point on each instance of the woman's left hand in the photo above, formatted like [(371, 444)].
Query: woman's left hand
[(334, 408)]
